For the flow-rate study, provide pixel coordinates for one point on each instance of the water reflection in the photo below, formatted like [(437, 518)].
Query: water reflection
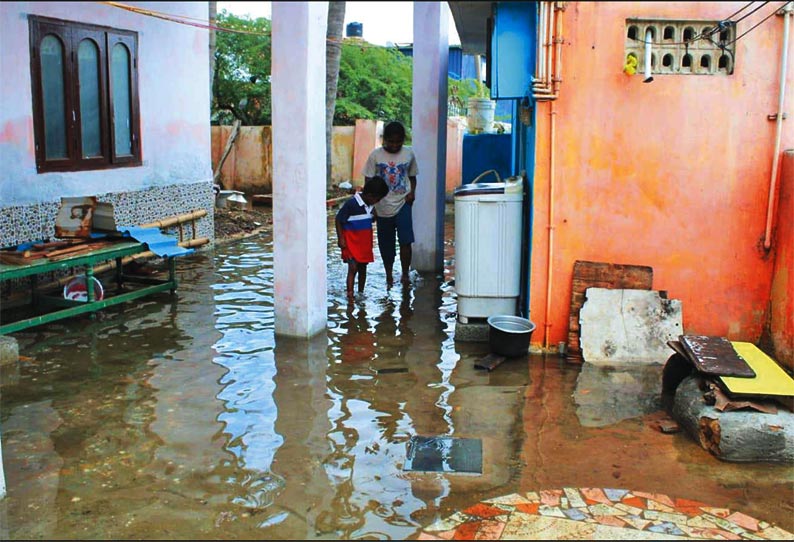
[(608, 395), (187, 418)]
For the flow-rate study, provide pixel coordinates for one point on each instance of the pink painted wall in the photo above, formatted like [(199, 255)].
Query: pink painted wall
[(673, 174), (368, 136), (782, 298), (456, 127), (249, 166)]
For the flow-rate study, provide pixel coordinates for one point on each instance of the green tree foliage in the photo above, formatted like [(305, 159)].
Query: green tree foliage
[(241, 89), (374, 83), (467, 88)]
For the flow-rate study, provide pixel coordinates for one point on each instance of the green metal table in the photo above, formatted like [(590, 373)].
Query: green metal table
[(65, 308)]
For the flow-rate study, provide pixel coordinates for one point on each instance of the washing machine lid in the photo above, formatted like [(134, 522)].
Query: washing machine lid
[(511, 185), (477, 189)]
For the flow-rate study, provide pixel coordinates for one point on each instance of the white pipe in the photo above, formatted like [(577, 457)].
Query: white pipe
[(550, 228), (648, 39), (551, 17), (541, 62), (541, 85), (558, 40), (770, 210)]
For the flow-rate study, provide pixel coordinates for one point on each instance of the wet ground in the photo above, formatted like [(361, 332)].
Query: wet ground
[(186, 418)]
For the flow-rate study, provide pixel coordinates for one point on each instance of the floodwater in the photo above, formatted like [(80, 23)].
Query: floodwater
[(186, 418)]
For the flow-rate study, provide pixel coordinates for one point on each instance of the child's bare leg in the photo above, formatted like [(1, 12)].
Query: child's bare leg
[(406, 254), (351, 277), (362, 277)]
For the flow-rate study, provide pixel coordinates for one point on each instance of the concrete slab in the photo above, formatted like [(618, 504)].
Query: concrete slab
[(474, 332), (628, 326)]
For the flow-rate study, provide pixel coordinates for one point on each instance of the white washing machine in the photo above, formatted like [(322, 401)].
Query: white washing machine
[(488, 248)]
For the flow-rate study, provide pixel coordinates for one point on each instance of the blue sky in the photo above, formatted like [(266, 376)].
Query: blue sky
[(382, 22)]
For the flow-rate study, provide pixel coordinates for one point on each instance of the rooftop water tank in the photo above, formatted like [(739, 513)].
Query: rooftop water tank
[(355, 30)]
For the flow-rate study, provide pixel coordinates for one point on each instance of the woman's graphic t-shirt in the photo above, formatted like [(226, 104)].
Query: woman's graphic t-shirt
[(395, 168)]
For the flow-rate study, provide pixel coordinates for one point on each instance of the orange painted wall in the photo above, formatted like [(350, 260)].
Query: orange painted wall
[(782, 297), (673, 174), (249, 166)]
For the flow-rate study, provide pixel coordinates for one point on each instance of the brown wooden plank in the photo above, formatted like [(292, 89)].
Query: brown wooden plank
[(588, 274), (715, 356), (489, 362), (19, 257)]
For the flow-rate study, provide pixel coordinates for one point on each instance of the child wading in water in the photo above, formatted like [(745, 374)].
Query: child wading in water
[(354, 231)]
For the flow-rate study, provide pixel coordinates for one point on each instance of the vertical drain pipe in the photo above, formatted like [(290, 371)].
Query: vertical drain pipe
[(550, 226), (556, 77), (770, 210)]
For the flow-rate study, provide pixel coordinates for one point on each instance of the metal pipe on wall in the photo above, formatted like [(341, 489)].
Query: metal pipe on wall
[(556, 80), (542, 85), (550, 227), (770, 210)]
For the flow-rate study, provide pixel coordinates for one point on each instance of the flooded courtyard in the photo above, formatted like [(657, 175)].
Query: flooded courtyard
[(186, 418)]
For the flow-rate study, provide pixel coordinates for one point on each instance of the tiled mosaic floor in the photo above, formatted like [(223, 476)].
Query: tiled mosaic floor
[(598, 514)]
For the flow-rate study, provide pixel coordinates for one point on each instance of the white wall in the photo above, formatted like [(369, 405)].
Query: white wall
[(174, 96)]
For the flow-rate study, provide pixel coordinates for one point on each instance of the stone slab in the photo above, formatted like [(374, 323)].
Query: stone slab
[(471, 332), (600, 275), (9, 350), (620, 326)]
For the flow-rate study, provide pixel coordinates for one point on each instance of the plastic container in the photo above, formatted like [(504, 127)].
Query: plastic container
[(76, 289), (488, 247), (233, 199), (509, 335), (480, 115)]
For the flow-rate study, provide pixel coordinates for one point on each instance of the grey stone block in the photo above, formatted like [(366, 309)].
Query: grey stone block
[(471, 332), (9, 350)]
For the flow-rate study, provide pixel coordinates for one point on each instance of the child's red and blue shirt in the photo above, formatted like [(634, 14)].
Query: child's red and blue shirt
[(355, 216)]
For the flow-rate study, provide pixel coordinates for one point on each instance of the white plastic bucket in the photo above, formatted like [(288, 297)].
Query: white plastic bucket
[(480, 115), (77, 290)]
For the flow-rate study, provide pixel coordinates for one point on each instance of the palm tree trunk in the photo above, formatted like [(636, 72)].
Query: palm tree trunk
[(213, 11), (333, 54)]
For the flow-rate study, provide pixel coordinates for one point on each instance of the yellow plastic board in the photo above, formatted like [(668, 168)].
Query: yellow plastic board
[(770, 379)]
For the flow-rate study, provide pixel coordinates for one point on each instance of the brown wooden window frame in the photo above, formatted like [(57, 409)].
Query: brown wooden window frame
[(71, 34)]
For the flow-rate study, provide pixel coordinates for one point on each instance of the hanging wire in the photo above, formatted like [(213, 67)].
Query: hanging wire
[(202, 23), (759, 23), (711, 31)]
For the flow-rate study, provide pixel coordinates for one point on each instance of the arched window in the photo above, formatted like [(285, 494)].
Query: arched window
[(120, 83), (88, 66), (83, 118), (724, 63), (53, 90)]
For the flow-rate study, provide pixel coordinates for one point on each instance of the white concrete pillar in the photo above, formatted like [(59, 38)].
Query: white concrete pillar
[(299, 188), (429, 130)]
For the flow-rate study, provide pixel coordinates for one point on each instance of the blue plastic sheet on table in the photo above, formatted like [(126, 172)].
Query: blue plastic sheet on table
[(158, 242)]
